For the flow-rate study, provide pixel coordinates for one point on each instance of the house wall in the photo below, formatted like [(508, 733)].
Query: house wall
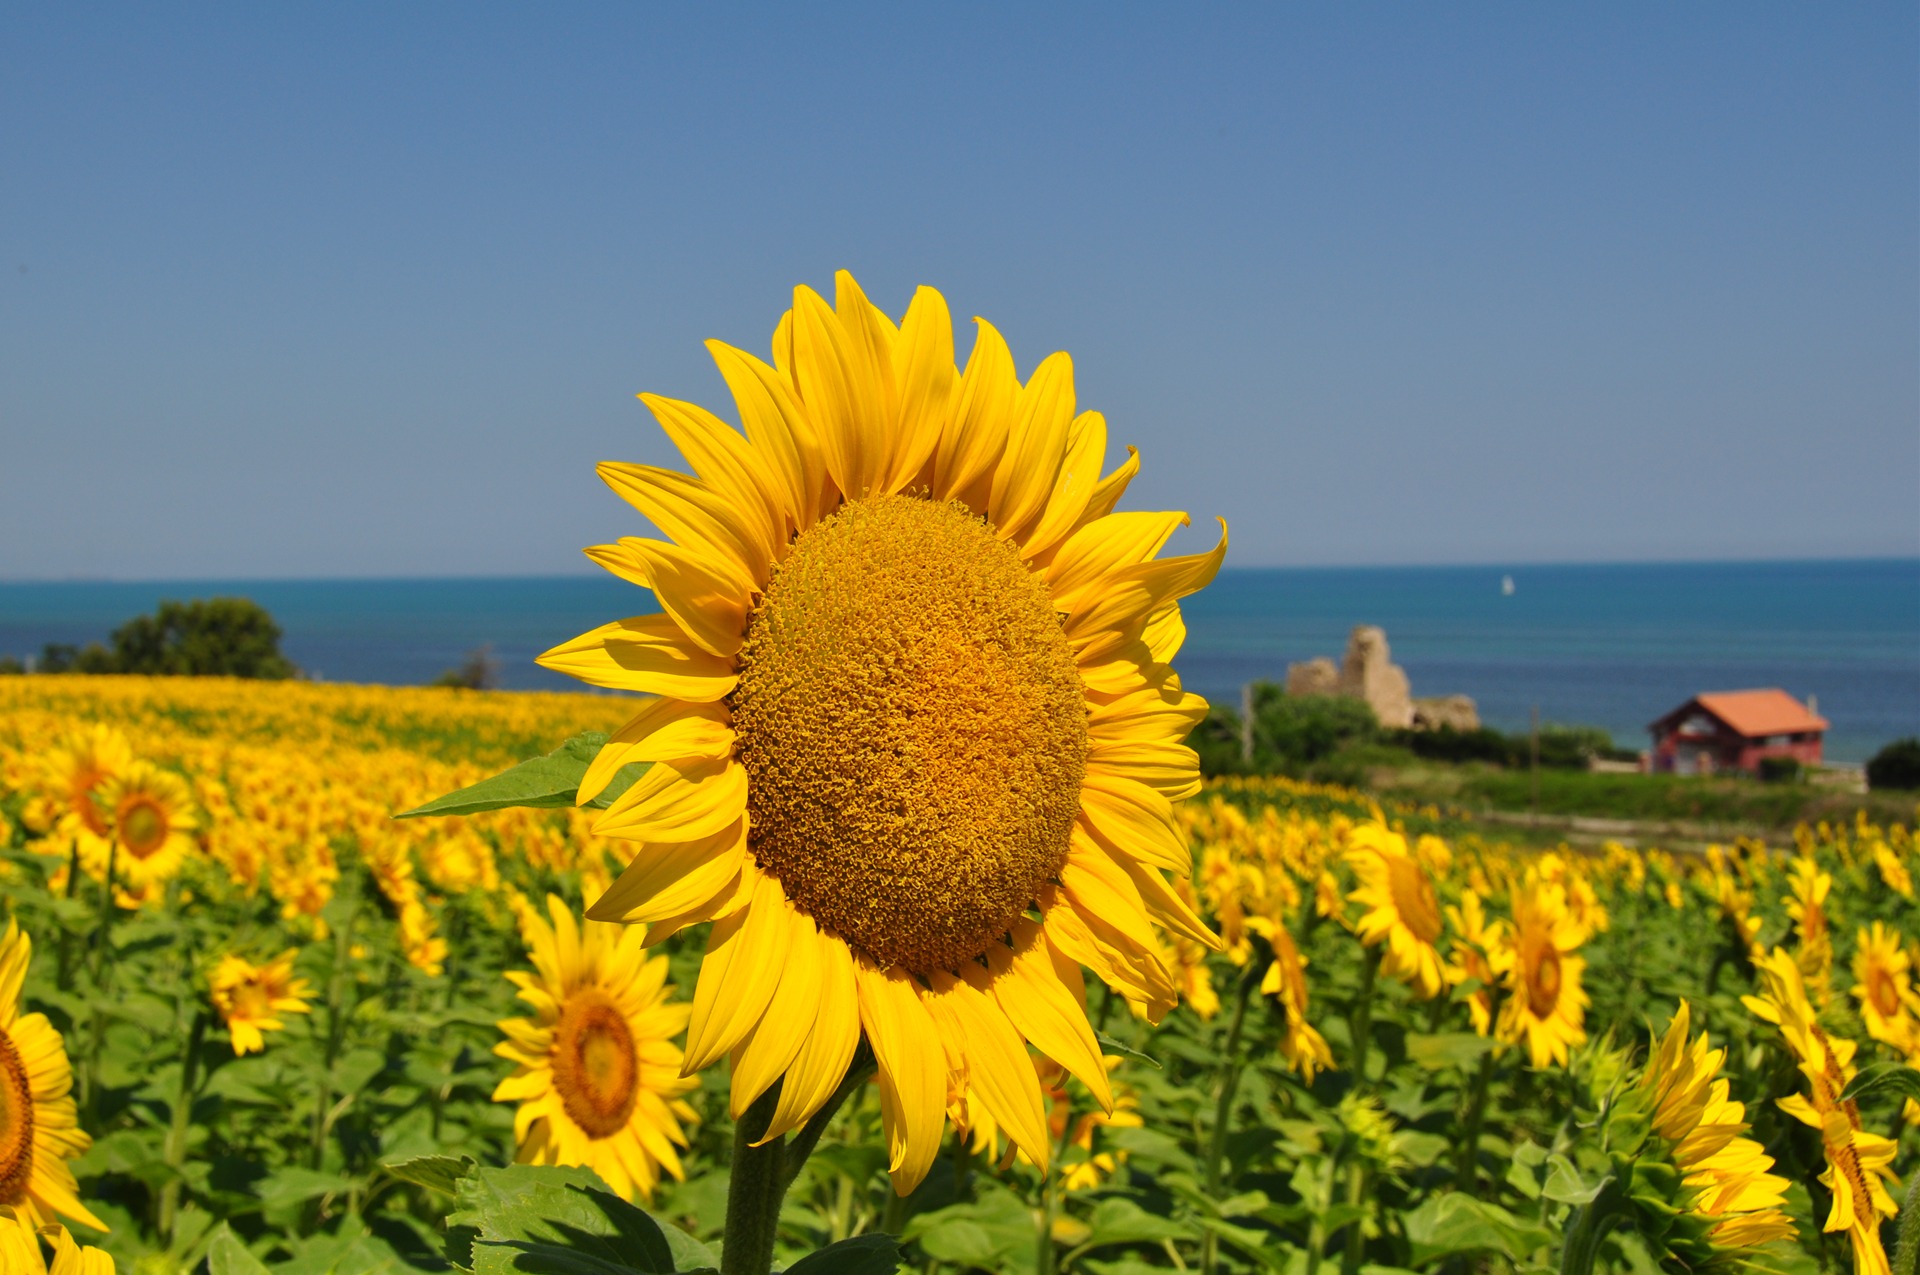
[(1728, 750)]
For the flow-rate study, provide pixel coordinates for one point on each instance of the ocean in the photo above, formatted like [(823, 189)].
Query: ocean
[(1605, 645)]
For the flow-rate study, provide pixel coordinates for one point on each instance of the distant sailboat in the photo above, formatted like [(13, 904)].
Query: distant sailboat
[(1506, 586)]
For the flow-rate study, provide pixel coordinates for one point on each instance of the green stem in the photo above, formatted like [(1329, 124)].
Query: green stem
[(66, 934), (336, 1032), (754, 1191), (175, 1149), (1907, 1252), (1466, 1163), (1231, 1064), (1362, 1022), (1356, 1229), (104, 935), (1589, 1226)]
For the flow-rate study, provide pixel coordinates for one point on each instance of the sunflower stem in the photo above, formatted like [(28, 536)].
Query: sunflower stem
[(1466, 1163), (175, 1148), (1361, 1024), (1590, 1225), (1230, 1067), (754, 1192)]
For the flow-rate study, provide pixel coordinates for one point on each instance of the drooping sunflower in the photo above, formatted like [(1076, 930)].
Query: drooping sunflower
[(1301, 1044), (1727, 1202), (1545, 1005), (1888, 1005), (1403, 909), (39, 1126), (917, 740), (252, 997), (21, 1249), (597, 1074), (151, 819), (1858, 1162)]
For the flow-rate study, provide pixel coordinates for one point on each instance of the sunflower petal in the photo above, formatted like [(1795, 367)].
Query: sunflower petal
[(745, 954), (665, 730), (1079, 473), (678, 801), (999, 1069), (924, 365), (1045, 1002), (1127, 597), (692, 515), (779, 430), (667, 879), (732, 470), (648, 653), (700, 592), (776, 1037), (1103, 547), (1036, 444), (828, 1048), (839, 395), (976, 437), (1134, 818), (912, 1071)]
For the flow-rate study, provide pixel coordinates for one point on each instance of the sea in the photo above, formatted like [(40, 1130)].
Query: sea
[(1614, 646)]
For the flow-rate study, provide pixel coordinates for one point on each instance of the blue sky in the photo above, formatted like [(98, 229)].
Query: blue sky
[(366, 290)]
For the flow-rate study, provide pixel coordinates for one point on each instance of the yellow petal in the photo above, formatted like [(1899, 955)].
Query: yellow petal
[(924, 367), (1127, 597), (731, 469), (999, 1069), (839, 395), (779, 430), (695, 518), (775, 1040), (678, 801), (828, 1049), (745, 954), (1103, 547), (1079, 474), (1035, 447), (665, 730), (970, 449), (665, 880), (1172, 770), (700, 592), (912, 1071), (1042, 994), (1136, 819), (648, 653)]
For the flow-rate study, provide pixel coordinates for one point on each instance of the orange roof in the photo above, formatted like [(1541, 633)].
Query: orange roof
[(1754, 713)]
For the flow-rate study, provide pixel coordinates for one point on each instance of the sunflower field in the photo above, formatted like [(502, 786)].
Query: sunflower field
[(301, 1032), (887, 922)]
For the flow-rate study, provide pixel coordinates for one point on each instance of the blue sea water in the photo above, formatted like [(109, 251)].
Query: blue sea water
[(1612, 646)]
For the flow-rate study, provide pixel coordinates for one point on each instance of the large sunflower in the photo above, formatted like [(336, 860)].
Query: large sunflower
[(597, 1075), (1888, 1005), (917, 740), (1545, 1006), (39, 1127)]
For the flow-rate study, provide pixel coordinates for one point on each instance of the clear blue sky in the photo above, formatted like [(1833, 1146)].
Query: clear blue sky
[(367, 289)]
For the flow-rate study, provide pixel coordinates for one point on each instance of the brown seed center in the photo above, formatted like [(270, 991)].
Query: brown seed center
[(16, 1123), (914, 731), (596, 1068)]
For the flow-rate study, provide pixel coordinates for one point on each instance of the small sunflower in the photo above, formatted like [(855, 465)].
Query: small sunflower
[(1807, 891), (1545, 1006), (917, 743), (1888, 1005), (1304, 1048), (1858, 1162), (1720, 1201), (151, 815), (75, 769), (1403, 909), (39, 1127), (21, 1250), (1480, 947), (251, 997), (597, 1074)]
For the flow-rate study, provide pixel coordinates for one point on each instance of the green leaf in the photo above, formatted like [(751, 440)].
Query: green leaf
[(440, 1173), (991, 1233), (293, 1184), (1566, 1186), (1446, 1049), (544, 783), (1455, 1223), (1901, 1079), (1112, 1046), (1118, 1220), (563, 1221), (228, 1256), (861, 1255)]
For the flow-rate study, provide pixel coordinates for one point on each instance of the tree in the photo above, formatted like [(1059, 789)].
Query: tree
[(210, 637), (480, 671), (1896, 767)]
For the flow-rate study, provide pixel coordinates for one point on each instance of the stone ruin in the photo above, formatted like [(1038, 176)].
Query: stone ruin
[(1369, 673)]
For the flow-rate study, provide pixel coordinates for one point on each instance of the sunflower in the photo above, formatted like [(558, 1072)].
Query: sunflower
[(74, 771), (1545, 1005), (597, 1075), (1479, 945), (39, 1128), (1304, 1048), (1858, 1162), (251, 997), (1807, 891), (150, 813), (1721, 1202), (1888, 1005), (917, 741), (1403, 910), (20, 1249)]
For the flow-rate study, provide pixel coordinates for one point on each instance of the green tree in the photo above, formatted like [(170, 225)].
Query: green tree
[(208, 637), (1896, 767)]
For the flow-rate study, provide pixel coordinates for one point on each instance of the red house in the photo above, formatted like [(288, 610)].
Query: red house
[(1733, 730)]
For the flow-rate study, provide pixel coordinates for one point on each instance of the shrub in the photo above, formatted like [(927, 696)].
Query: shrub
[(211, 637), (1896, 767), (480, 671), (1779, 770)]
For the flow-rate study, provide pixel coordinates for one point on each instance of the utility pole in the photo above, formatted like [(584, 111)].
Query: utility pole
[(1246, 725), (1534, 768)]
